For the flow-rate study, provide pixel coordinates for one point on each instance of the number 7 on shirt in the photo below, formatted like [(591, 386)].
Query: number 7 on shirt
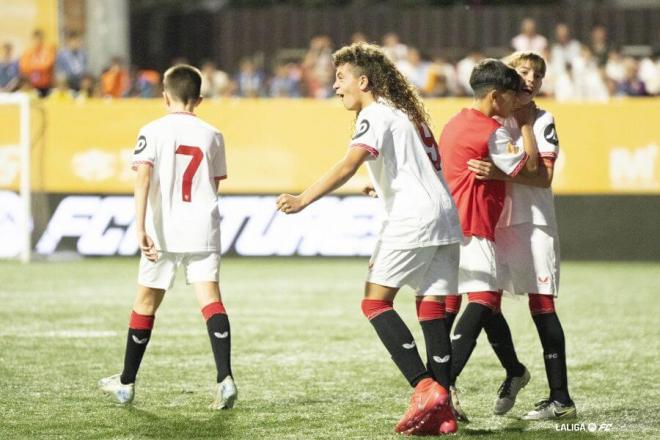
[(196, 158)]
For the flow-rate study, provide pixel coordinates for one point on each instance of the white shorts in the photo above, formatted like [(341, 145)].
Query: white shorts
[(477, 271), (430, 270), (528, 259), (198, 267)]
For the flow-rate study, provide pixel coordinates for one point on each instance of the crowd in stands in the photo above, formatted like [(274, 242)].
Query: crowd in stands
[(594, 70)]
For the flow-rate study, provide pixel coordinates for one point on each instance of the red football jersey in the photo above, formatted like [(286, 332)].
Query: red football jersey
[(472, 135)]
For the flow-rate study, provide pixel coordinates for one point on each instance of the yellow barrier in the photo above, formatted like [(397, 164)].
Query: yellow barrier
[(284, 145)]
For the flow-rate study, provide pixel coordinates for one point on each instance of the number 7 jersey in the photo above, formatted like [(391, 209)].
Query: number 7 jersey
[(188, 159)]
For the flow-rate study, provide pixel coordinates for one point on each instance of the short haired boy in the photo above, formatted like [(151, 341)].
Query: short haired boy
[(474, 134), (527, 243), (179, 160)]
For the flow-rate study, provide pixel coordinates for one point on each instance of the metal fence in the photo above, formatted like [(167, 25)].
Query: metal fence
[(231, 33)]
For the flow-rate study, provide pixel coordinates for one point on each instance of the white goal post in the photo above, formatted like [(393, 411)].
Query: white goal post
[(22, 100)]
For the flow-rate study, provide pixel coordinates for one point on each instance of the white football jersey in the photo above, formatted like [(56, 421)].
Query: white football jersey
[(188, 158), (525, 203), (405, 170)]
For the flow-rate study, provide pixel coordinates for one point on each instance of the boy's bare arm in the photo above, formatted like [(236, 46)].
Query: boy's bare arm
[(339, 174), (486, 170), (141, 192), (525, 117)]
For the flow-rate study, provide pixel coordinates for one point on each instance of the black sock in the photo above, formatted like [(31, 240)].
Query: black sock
[(136, 344), (220, 336), (465, 336), (554, 355), (438, 350), (499, 336), (398, 340), (449, 320)]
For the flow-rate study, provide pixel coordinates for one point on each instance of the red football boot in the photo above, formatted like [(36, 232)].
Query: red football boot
[(447, 419), (428, 397), (440, 422)]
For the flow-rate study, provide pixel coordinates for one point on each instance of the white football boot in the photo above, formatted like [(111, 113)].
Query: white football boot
[(506, 395), (551, 410), (120, 393), (225, 394)]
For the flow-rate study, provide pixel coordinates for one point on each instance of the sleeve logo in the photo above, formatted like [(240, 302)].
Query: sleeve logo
[(550, 134), (363, 127), (141, 145)]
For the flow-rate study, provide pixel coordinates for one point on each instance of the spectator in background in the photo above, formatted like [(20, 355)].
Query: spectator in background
[(394, 49), (442, 79), (599, 45), (215, 82), (464, 70), (649, 72), (9, 77), (615, 68), (250, 81), (416, 70), (24, 86), (631, 84), (318, 68), (89, 88), (143, 83), (61, 91), (37, 64), (589, 78), (286, 81), (528, 40), (72, 61), (115, 81), (565, 49), (564, 88), (358, 37)]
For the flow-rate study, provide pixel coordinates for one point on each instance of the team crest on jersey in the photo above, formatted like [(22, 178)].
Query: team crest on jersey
[(362, 128), (550, 134), (141, 145), (511, 148)]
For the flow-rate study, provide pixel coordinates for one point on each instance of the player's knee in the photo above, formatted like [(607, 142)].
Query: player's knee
[(453, 303), (540, 304), (214, 308), (147, 300), (491, 299), (374, 307), (429, 310)]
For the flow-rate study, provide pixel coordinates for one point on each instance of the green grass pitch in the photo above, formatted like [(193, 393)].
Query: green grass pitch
[(306, 362)]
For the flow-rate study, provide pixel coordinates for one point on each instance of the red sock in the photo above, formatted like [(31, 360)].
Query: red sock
[(213, 309), (428, 310), (374, 307)]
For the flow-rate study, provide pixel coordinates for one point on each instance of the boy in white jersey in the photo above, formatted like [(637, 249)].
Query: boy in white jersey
[(419, 241), (179, 161), (527, 242)]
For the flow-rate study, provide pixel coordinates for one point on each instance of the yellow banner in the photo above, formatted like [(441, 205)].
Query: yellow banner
[(285, 145)]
